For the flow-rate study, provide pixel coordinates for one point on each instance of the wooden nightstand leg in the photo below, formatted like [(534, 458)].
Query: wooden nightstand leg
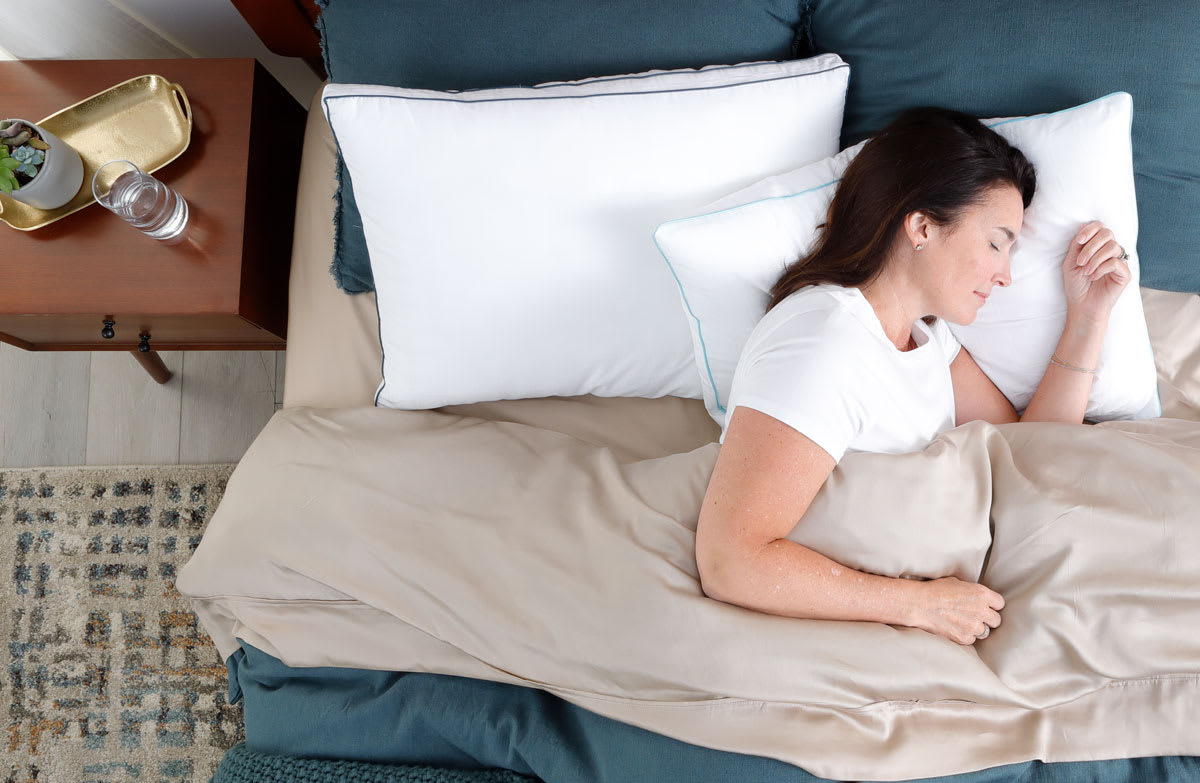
[(153, 364)]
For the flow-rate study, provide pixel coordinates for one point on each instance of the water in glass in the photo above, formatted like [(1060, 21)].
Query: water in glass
[(148, 205)]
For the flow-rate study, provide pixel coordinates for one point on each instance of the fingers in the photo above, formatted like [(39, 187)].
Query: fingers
[(1118, 268), (982, 629), (963, 612), (967, 638), (973, 629), (1100, 245), (1087, 231), (995, 600), (1073, 249)]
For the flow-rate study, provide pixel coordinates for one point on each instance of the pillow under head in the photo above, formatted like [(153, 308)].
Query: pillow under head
[(728, 255)]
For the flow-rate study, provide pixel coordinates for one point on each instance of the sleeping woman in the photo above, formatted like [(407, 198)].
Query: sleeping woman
[(853, 354)]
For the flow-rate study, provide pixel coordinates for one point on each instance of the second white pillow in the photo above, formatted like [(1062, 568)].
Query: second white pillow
[(727, 257)]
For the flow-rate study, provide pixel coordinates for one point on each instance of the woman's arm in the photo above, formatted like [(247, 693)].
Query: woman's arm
[(1094, 275), (766, 476), (1062, 394)]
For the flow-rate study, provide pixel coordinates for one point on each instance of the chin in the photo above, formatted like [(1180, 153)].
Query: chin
[(963, 317)]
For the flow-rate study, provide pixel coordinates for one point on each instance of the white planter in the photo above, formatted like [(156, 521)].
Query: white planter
[(58, 179)]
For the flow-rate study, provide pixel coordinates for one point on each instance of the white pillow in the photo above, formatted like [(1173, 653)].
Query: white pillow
[(732, 252), (509, 229)]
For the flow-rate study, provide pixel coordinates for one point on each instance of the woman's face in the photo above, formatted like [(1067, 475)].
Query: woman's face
[(961, 264)]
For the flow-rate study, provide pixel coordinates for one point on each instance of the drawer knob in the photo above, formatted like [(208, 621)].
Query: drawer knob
[(107, 332), (144, 344)]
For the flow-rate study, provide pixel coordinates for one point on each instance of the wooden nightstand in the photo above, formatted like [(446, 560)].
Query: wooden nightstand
[(224, 285)]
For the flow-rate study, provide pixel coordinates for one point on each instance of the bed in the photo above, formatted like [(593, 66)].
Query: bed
[(510, 584)]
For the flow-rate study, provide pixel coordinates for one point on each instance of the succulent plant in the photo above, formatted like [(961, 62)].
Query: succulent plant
[(14, 133), (29, 159), (22, 152), (8, 166)]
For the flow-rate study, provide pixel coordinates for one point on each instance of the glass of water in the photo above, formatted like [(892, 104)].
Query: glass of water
[(143, 201)]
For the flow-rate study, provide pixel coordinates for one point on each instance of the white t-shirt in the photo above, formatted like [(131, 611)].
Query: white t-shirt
[(821, 363)]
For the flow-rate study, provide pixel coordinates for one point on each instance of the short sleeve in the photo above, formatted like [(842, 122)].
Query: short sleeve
[(946, 339), (807, 374)]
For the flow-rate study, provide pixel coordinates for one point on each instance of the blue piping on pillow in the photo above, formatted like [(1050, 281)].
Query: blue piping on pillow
[(699, 329), (1062, 111)]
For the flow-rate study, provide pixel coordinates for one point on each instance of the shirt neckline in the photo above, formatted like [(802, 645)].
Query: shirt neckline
[(866, 315)]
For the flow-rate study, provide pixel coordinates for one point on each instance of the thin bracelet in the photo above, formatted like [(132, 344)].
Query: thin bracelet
[(1055, 360)]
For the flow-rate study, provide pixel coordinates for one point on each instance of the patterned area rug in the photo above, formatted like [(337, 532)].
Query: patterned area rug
[(107, 677)]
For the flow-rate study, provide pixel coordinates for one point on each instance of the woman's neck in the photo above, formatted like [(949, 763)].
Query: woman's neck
[(895, 306)]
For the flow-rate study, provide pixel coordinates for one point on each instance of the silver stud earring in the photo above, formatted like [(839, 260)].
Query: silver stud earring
[(919, 247)]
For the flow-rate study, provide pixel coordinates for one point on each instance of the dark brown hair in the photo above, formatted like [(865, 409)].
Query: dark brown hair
[(932, 160)]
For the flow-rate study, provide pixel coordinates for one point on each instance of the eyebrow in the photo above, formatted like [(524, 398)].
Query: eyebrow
[(1007, 232)]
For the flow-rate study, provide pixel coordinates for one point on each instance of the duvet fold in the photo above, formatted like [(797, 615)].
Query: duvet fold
[(433, 541)]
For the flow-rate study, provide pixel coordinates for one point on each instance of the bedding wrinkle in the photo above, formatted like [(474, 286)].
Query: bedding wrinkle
[(515, 553)]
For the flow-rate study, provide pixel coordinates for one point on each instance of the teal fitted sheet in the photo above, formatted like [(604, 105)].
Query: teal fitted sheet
[(446, 721)]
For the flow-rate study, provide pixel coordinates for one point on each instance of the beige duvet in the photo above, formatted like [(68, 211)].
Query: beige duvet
[(549, 543)]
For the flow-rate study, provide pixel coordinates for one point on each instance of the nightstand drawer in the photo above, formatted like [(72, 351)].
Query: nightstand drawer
[(167, 332)]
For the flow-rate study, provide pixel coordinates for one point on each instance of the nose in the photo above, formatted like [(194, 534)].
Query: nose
[(1003, 276)]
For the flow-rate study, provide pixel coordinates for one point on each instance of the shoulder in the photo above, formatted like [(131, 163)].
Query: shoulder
[(806, 360), (805, 369), (816, 315)]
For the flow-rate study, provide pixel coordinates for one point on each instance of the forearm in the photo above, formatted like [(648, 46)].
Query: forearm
[(788, 579), (1062, 394)]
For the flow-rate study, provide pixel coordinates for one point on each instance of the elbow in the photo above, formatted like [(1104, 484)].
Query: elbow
[(718, 571), (712, 578)]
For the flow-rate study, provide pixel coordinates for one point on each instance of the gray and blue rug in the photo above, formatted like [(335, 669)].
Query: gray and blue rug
[(107, 677)]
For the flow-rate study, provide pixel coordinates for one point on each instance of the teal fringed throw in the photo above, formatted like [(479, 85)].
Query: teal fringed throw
[(241, 765)]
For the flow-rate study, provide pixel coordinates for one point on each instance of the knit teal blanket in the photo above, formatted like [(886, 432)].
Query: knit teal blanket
[(241, 765)]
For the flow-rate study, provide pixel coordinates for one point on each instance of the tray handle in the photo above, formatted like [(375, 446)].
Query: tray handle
[(182, 99)]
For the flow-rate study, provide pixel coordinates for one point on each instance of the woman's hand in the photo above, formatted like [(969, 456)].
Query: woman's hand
[(963, 612), (1094, 273)]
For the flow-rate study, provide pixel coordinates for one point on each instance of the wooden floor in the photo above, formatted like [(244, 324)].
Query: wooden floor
[(102, 408)]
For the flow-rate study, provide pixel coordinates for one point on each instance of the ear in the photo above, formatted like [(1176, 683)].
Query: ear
[(918, 228)]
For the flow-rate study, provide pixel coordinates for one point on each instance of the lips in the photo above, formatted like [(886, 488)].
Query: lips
[(982, 297)]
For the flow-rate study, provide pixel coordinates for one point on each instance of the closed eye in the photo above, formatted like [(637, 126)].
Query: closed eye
[(993, 244)]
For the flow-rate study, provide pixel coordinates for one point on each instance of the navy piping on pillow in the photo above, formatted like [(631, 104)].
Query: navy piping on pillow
[(623, 77), (382, 357), (325, 102), (326, 99)]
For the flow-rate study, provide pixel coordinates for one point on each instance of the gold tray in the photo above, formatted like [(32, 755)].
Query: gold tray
[(146, 120)]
